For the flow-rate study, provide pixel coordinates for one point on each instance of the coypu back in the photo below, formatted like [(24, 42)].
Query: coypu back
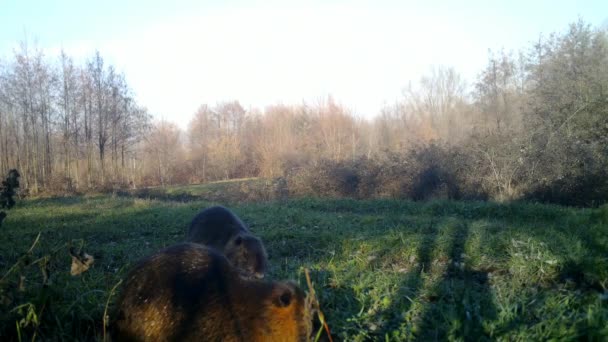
[(220, 228), (190, 292), (215, 226)]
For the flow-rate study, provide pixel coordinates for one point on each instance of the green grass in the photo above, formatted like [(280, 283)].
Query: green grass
[(383, 269), (235, 190)]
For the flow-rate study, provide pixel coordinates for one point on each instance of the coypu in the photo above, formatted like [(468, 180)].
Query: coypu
[(191, 292), (220, 228)]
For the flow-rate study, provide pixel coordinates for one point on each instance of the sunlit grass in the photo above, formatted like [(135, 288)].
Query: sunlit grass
[(383, 269)]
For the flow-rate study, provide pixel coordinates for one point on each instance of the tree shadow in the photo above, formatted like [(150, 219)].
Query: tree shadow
[(63, 201), (457, 304), (160, 195), (464, 298), (392, 318)]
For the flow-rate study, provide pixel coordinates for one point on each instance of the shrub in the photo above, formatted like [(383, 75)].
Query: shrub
[(59, 184), (8, 191), (430, 171), (574, 190)]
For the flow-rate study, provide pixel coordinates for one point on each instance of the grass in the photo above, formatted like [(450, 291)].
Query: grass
[(384, 270), (234, 190)]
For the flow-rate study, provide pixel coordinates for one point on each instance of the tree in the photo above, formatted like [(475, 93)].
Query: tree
[(163, 147), (201, 131), (69, 111), (436, 104), (567, 118), (53, 113)]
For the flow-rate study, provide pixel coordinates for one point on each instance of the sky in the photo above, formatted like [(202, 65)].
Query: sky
[(177, 55)]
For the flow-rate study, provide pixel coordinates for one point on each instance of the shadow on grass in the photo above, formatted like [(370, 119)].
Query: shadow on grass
[(426, 308), (229, 192), (464, 298), (514, 212), (396, 318), (64, 201), (160, 195)]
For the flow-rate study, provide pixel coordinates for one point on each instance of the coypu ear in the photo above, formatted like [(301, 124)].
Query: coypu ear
[(283, 297), (238, 241)]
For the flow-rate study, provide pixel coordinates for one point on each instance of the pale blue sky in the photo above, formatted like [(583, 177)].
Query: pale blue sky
[(179, 54)]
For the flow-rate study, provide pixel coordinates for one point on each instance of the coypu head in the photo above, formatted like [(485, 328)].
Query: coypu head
[(288, 315), (247, 253)]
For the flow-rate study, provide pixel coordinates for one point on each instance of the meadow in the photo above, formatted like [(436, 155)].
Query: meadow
[(385, 270)]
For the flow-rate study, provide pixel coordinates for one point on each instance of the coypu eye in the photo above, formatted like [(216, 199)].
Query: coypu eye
[(238, 240), (284, 299)]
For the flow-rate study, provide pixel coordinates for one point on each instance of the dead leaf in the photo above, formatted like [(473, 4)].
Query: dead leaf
[(80, 262)]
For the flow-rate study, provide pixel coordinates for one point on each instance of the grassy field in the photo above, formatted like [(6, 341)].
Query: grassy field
[(384, 270)]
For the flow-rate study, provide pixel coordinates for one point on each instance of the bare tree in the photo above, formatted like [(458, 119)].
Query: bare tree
[(69, 111), (163, 147)]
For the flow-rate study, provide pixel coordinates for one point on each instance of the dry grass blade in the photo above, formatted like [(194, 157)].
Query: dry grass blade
[(105, 311), (316, 306)]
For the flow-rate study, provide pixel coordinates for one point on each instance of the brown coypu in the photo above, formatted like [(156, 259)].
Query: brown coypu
[(220, 228), (190, 292)]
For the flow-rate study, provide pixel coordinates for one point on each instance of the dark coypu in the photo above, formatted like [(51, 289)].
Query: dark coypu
[(220, 228), (189, 292)]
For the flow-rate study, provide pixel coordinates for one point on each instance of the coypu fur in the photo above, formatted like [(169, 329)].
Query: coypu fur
[(220, 228), (189, 292)]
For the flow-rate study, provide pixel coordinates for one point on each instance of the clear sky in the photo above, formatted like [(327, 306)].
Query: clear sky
[(179, 54)]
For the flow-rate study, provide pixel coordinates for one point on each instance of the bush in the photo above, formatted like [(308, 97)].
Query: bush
[(8, 191), (569, 171), (574, 190), (110, 187), (431, 171), (59, 184)]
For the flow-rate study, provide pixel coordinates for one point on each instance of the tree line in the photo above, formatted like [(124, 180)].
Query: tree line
[(64, 125), (533, 124)]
